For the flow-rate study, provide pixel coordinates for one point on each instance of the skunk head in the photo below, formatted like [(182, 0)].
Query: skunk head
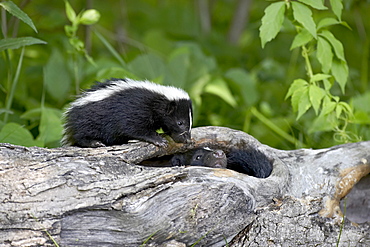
[(201, 157), (177, 120), (209, 157)]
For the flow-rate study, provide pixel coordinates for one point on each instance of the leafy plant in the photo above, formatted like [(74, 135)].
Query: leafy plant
[(317, 42), (12, 132), (87, 17), (237, 85)]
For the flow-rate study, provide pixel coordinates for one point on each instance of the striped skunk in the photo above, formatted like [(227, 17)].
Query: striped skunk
[(201, 157), (251, 162), (119, 110)]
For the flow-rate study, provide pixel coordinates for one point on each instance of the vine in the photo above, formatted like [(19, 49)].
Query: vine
[(317, 42)]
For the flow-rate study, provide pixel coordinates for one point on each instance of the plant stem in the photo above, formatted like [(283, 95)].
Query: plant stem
[(75, 73), (4, 27), (307, 61), (10, 97), (275, 128)]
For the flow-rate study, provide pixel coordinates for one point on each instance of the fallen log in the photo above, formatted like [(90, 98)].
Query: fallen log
[(102, 197)]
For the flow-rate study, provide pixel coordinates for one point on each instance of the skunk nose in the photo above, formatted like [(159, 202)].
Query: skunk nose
[(219, 154), (183, 137), (187, 136)]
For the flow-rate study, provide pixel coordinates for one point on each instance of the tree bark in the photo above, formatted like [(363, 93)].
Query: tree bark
[(101, 197)]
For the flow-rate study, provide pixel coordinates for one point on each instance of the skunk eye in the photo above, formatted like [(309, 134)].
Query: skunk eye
[(198, 157), (179, 123)]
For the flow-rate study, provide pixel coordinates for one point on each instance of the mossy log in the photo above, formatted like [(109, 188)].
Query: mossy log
[(102, 197)]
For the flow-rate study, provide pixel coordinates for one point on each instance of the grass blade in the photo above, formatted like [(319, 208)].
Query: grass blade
[(110, 48), (17, 12), (15, 43), (10, 97)]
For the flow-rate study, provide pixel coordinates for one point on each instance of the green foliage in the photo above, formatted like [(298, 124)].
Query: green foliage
[(318, 42), (87, 17), (15, 133), (17, 12), (272, 21), (15, 43), (240, 86)]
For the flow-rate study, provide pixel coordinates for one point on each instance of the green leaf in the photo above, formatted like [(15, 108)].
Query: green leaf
[(272, 22), (148, 66), (70, 30), (347, 108), (15, 134), (15, 43), (361, 117), (197, 89), (316, 94), (335, 43), (319, 77), (297, 94), (89, 17), (338, 110), (337, 8), (178, 65), (302, 100), (326, 22), (247, 85), (343, 23), (32, 115), (50, 127), (328, 106), (336, 98), (327, 84), (17, 12), (219, 88), (57, 78), (200, 63), (301, 39), (71, 14), (303, 15), (340, 73), (323, 123), (316, 4), (324, 54), (296, 85)]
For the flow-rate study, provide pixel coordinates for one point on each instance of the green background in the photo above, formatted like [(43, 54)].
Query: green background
[(232, 82)]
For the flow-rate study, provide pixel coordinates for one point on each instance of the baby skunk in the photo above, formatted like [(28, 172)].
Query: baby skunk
[(251, 162), (118, 110), (201, 157)]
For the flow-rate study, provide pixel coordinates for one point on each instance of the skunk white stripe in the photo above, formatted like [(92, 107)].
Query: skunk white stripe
[(190, 119), (207, 148), (170, 92)]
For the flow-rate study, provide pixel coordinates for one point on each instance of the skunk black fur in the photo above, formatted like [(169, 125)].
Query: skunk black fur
[(201, 157), (119, 110), (251, 162)]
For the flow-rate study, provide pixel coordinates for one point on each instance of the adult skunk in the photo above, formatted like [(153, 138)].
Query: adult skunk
[(118, 110)]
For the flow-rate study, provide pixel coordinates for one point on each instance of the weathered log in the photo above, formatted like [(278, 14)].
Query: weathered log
[(100, 197)]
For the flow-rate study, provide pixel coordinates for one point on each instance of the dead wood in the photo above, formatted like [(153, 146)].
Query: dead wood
[(101, 197)]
